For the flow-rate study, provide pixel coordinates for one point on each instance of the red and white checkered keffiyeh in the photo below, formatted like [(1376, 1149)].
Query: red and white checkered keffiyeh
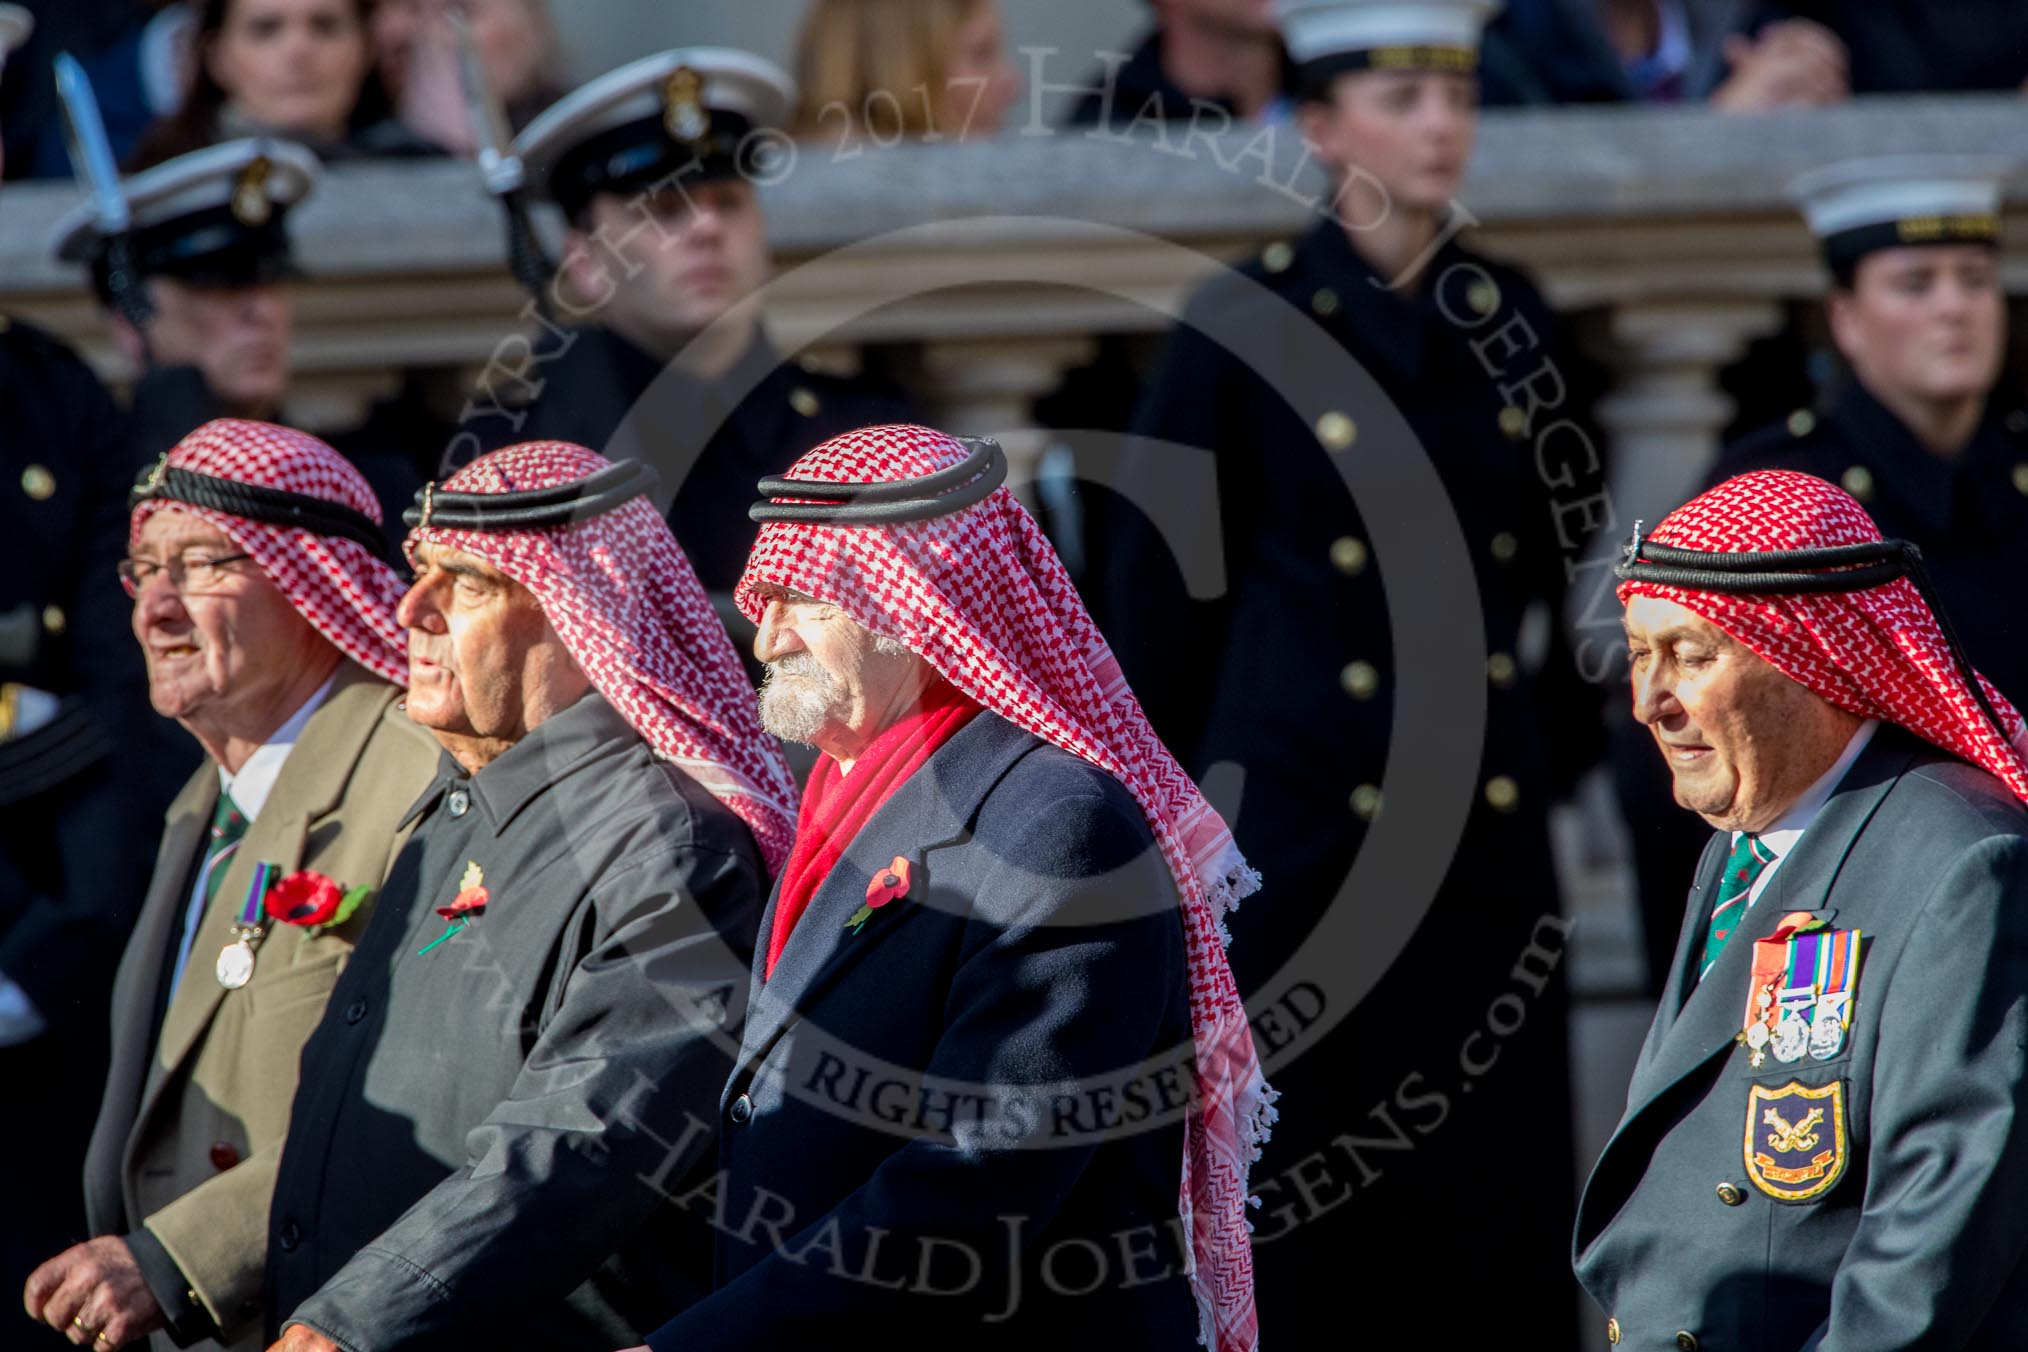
[(622, 596), (338, 585), (1878, 653), (981, 595)]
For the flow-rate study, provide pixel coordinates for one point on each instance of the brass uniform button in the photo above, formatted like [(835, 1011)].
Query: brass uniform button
[(1502, 793), (1504, 547), (53, 619), (2021, 478), (1483, 297), (1277, 256), (38, 483), (1802, 422), (1359, 679), (1513, 422), (1500, 670), (804, 401), (1613, 1332), (1348, 555), (1366, 802), (1730, 1194), (1324, 302), (1858, 481), (1336, 430), (1686, 1340)]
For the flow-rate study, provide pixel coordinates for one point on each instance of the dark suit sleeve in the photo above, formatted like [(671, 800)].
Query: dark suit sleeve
[(610, 1093), (1943, 1227), (1038, 1005)]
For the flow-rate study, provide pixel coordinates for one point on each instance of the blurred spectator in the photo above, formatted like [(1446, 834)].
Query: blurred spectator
[(1657, 51), (1227, 53), (1908, 46), (418, 63), (882, 70), (138, 75), (296, 68)]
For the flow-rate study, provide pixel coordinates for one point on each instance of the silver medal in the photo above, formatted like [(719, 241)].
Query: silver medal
[(1827, 1028), (235, 964), (1791, 1037), (1757, 1035)]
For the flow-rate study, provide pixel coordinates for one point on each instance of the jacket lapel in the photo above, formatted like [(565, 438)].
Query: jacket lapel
[(931, 812), (137, 993), (310, 785), (1676, 986), (1715, 1008)]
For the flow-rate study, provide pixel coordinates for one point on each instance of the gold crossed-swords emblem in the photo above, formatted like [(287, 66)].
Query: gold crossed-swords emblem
[(1786, 1138)]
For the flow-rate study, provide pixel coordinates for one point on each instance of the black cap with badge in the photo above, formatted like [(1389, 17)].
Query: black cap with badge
[(692, 113), (213, 217)]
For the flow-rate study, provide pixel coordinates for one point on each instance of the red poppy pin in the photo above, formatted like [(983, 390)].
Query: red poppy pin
[(465, 907), (884, 887), (309, 899)]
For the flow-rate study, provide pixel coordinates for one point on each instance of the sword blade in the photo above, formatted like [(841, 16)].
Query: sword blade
[(91, 153), (501, 169)]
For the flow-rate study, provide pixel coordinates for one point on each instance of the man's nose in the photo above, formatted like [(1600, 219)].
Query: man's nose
[(775, 638)]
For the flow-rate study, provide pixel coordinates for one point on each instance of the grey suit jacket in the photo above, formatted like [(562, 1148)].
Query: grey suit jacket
[(1918, 1240)]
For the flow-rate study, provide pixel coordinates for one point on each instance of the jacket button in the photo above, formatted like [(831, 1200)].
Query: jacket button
[(1513, 422), (1348, 555), (1729, 1194), (1502, 793), (1500, 670), (741, 1111), (289, 1237), (1858, 481), (1360, 679), (224, 1154), (457, 802), (1613, 1332), (1503, 547), (1336, 431), (2020, 477), (355, 1011), (38, 483), (1366, 802), (54, 620), (1802, 422), (1686, 1340)]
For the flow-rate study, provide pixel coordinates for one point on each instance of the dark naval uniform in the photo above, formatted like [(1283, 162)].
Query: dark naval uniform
[(477, 1113), (1861, 1191), (76, 838), (962, 1118), (710, 441), (1289, 674), (1968, 514)]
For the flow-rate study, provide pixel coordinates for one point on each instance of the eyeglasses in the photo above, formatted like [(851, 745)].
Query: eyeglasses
[(192, 574)]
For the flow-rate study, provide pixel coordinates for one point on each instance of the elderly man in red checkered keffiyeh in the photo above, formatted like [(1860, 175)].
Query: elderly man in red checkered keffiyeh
[(991, 797), (1823, 1144)]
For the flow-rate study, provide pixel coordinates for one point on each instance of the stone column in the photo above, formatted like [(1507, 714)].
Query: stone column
[(984, 387)]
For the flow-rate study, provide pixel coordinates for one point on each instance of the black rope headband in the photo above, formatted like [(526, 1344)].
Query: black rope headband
[(887, 502), (257, 502), (1800, 572), (559, 505)]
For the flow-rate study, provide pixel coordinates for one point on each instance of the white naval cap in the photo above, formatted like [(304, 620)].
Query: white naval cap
[(687, 109), (1858, 206), (214, 214), (16, 24), (1385, 34)]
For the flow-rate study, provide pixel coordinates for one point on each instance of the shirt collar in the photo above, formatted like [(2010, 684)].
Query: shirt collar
[(1789, 827), (587, 730), (255, 779)]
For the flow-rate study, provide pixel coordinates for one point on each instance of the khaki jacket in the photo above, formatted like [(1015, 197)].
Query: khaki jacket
[(192, 1122)]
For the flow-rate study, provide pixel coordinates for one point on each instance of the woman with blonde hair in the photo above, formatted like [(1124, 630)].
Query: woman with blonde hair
[(880, 71)]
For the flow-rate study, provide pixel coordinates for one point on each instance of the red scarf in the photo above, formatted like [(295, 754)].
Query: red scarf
[(836, 806)]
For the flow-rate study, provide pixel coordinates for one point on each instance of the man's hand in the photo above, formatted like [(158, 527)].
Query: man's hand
[(1793, 63), (94, 1294), (296, 1338)]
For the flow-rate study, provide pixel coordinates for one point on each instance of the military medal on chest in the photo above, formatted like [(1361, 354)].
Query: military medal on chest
[(235, 966), (1799, 998)]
